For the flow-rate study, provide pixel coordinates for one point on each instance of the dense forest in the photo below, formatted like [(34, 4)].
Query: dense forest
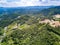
[(25, 29)]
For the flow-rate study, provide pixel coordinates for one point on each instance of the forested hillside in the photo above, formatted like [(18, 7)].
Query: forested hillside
[(27, 29), (51, 11)]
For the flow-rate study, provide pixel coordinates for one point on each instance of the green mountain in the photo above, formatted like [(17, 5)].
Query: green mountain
[(51, 11), (22, 10), (25, 29)]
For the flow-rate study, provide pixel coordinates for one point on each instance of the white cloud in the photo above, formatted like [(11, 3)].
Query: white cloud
[(17, 3)]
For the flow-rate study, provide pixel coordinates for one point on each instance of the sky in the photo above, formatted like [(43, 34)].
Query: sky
[(23, 3)]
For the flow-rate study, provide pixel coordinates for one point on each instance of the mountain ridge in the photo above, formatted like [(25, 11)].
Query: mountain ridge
[(23, 10)]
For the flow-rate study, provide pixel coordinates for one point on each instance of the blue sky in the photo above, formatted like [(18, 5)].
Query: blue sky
[(19, 3)]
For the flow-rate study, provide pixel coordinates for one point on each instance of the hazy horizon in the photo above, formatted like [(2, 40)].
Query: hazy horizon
[(25, 3)]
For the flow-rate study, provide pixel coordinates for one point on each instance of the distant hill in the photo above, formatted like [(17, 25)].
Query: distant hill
[(51, 11), (22, 10)]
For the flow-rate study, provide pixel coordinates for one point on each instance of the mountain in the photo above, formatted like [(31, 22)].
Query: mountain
[(22, 10), (27, 30), (44, 10), (16, 28), (51, 11), (9, 14)]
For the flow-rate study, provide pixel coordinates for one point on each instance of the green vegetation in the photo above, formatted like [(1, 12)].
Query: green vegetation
[(1, 31), (31, 32), (26, 29)]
